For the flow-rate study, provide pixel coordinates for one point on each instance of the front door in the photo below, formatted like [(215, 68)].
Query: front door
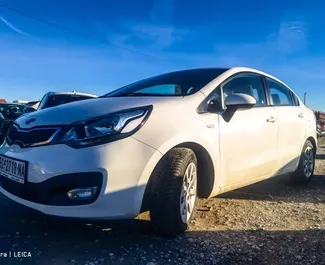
[(248, 141)]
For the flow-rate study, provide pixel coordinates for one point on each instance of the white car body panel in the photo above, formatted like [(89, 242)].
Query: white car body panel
[(122, 189), (292, 130), (243, 151), (248, 133), (86, 109)]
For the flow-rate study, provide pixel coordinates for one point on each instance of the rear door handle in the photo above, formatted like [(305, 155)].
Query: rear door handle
[(271, 119), (300, 115)]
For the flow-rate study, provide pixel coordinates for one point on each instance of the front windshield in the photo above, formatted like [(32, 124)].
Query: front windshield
[(180, 83)]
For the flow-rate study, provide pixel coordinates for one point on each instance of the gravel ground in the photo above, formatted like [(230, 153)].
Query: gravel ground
[(273, 222)]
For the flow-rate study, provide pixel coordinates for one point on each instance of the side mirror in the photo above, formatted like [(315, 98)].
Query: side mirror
[(239, 101)]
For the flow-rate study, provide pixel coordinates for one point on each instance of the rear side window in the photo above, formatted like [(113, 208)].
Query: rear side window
[(295, 100), (280, 95)]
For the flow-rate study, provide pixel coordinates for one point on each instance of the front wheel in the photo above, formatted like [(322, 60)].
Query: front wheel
[(174, 192), (305, 170)]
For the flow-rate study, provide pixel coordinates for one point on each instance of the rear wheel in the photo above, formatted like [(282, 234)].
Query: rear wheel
[(174, 192), (306, 167)]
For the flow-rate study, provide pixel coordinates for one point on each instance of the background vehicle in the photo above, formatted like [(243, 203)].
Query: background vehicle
[(8, 113), (52, 99), (157, 145), (33, 104), (320, 129)]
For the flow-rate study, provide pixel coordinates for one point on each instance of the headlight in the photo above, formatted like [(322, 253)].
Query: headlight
[(103, 129)]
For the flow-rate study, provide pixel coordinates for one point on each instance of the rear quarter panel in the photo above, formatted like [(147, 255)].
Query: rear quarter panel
[(311, 124)]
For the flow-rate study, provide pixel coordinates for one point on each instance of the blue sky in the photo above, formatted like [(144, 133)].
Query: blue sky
[(285, 39)]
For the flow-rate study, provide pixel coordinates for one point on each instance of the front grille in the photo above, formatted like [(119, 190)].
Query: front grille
[(32, 137)]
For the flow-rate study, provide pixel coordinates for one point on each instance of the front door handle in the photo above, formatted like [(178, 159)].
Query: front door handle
[(271, 119), (300, 115)]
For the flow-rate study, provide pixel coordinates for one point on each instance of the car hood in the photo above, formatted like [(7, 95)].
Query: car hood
[(86, 109)]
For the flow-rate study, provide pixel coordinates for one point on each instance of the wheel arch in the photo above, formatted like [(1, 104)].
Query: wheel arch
[(313, 141), (206, 172)]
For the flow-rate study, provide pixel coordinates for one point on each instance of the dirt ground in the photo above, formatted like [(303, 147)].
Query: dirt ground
[(273, 222)]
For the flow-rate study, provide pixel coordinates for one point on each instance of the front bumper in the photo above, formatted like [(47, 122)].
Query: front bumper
[(117, 168), (54, 191)]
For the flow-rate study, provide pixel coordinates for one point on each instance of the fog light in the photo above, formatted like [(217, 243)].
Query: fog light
[(83, 193)]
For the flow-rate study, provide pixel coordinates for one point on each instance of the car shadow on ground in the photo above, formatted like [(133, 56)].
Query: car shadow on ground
[(282, 189), (53, 241), (62, 241)]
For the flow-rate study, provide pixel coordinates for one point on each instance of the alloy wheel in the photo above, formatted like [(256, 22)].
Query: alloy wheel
[(188, 193)]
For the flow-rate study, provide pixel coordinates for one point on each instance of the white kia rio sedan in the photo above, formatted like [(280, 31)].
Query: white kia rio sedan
[(158, 144)]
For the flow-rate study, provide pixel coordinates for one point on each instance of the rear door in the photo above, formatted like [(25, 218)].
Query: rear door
[(248, 141), (292, 124)]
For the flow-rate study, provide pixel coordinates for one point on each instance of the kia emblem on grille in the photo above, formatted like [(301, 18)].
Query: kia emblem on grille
[(29, 121)]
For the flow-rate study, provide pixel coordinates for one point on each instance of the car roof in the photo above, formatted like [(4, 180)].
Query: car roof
[(248, 69), (234, 70), (237, 70)]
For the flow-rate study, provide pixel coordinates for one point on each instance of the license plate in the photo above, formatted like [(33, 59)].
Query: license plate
[(13, 169)]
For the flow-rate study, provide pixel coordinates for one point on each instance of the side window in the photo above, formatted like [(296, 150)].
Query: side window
[(216, 96), (214, 100), (250, 84), (295, 100), (280, 95)]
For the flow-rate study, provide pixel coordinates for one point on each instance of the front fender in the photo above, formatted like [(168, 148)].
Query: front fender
[(212, 150)]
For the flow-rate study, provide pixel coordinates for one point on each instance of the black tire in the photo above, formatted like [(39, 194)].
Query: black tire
[(299, 176), (166, 187)]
